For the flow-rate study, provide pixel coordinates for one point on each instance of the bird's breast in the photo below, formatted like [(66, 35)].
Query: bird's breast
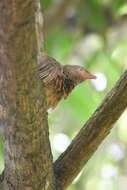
[(68, 86), (57, 90), (54, 93)]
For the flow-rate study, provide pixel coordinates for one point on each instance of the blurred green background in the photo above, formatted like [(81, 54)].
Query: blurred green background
[(92, 33)]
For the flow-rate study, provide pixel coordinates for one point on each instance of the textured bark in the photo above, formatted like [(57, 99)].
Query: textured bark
[(91, 135), (28, 159)]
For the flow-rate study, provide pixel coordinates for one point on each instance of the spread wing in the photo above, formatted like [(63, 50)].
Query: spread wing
[(49, 69)]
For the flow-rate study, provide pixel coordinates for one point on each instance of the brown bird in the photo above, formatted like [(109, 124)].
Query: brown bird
[(59, 80)]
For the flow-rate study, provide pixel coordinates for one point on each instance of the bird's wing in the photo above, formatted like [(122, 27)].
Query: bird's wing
[(49, 69)]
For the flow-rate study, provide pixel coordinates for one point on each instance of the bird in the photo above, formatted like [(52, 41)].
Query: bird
[(59, 80)]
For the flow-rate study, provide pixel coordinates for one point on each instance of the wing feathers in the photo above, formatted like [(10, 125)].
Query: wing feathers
[(49, 69)]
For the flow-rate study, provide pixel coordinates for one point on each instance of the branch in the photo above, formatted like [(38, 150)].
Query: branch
[(69, 164), (57, 13)]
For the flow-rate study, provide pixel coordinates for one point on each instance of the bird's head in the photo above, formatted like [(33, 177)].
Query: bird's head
[(78, 73)]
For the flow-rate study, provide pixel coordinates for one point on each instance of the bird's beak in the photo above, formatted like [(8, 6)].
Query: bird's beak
[(90, 76)]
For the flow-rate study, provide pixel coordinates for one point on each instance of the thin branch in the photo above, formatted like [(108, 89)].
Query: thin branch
[(57, 13), (92, 134)]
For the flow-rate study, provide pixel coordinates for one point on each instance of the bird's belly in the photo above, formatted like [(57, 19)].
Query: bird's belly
[(52, 98)]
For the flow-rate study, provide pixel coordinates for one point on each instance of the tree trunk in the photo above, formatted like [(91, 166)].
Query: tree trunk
[(28, 159)]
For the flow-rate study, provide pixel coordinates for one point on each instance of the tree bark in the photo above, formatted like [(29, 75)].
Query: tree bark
[(70, 163), (28, 158)]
